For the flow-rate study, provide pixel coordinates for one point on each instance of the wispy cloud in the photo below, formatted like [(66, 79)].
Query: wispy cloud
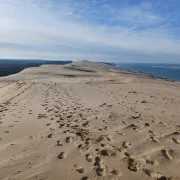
[(96, 30), (139, 14)]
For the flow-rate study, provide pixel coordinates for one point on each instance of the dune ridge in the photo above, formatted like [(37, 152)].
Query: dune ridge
[(88, 120)]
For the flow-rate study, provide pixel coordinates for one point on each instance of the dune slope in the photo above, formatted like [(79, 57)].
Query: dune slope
[(88, 120)]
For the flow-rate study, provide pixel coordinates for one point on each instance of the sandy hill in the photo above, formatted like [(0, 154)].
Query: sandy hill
[(88, 120)]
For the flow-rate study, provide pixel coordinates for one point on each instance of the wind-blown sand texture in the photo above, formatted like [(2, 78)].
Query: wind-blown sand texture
[(88, 120)]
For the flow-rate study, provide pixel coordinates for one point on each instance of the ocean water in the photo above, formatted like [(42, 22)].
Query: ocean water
[(170, 71)]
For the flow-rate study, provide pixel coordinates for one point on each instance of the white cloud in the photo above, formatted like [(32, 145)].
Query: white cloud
[(67, 31)]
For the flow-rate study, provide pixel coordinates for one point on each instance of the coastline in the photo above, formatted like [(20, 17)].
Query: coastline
[(149, 74), (113, 65)]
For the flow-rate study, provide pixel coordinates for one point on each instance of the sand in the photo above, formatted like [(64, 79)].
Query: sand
[(88, 120)]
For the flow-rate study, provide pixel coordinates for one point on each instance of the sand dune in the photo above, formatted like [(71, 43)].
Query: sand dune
[(88, 120)]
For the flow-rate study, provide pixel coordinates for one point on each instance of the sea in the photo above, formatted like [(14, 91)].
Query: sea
[(169, 71)]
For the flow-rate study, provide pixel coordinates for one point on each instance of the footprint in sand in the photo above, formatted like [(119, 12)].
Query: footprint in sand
[(59, 143), (62, 155), (80, 170), (48, 124), (87, 141), (85, 178), (50, 135), (177, 141), (69, 139), (133, 164), (89, 157), (147, 124), (116, 172), (120, 133), (85, 124), (155, 139), (126, 144), (152, 162), (80, 146), (106, 127), (61, 125), (101, 171), (151, 131), (166, 153), (152, 173)]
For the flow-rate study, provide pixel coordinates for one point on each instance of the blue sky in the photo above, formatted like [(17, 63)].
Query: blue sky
[(100, 30)]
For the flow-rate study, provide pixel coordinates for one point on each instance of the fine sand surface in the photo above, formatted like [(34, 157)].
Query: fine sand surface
[(88, 120)]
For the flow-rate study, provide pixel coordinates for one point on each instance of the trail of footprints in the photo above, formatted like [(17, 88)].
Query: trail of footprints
[(68, 114), (96, 149)]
